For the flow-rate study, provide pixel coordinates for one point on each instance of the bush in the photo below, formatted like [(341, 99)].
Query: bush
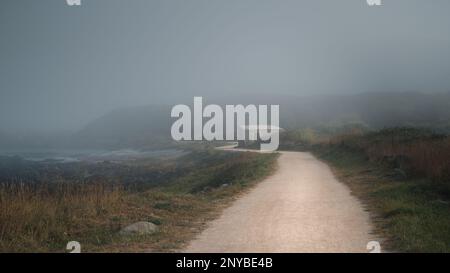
[(417, 152)]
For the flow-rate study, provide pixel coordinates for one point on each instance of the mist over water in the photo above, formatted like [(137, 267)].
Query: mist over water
[(91, 156)]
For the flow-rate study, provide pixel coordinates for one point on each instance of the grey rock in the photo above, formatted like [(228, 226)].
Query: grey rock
[(139, 228)]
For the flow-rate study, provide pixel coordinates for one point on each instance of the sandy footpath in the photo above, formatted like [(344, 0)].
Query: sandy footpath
[(300, 208)]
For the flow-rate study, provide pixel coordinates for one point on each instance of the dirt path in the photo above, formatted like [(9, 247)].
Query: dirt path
[(300, 208)]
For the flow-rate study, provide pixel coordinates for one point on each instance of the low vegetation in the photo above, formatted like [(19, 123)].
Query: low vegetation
[(43, 210)]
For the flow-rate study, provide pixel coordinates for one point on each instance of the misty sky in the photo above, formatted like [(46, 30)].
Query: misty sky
[(62, 66)]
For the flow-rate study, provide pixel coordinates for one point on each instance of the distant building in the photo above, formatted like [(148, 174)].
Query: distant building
[(255, 128)]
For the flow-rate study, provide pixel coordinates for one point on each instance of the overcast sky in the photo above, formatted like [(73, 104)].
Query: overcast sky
[(62, 66)]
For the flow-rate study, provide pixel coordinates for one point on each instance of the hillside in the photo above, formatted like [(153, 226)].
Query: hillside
[(141, 126), (149, 126)]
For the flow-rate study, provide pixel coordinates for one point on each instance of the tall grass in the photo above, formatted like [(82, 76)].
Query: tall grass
[(430, 158), (45, 215), (418, 153)]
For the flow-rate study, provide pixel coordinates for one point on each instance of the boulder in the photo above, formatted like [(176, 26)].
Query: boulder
[(139, 228)]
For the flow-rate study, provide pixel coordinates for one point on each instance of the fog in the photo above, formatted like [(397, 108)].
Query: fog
[(62, 67)]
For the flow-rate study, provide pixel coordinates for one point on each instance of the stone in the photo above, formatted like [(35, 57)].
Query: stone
[(139, 228)]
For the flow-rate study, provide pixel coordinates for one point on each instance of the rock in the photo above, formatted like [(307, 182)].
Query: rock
[(139, 228)]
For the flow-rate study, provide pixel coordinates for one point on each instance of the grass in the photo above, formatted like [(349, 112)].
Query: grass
[(43, 217), (390, 171)]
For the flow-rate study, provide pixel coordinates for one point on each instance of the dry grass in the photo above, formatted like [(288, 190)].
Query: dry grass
[(418, 153), (38, 217), (430, 158)]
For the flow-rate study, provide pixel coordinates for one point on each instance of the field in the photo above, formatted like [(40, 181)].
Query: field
[(42, 207)]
